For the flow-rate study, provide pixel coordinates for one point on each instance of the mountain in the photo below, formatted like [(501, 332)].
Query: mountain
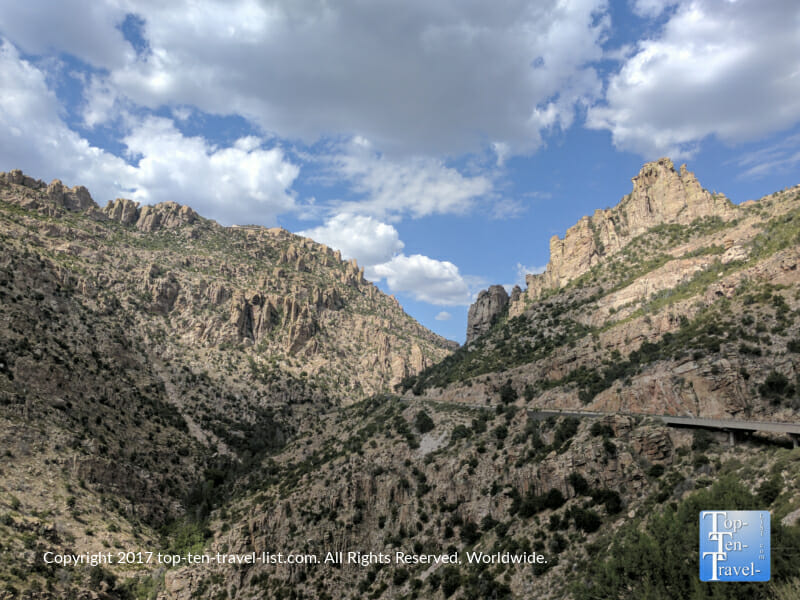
[(147, 355), (160, 393), (675, 301)]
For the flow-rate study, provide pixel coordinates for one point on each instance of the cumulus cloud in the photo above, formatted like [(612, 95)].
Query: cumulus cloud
[(413, 76), (426, 279), (727, 69), (443, 316), (34, 137), (418, 187), (241, 183), (357, 236), (377, 247), (102, 103)]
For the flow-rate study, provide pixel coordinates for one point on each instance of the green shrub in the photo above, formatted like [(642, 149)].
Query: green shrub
[(601, 429), (423, 422), (586, 520), (578, 483), (507, 393), (769, 490), (459, 432), (702, 440), (451, 580), (776, 386)]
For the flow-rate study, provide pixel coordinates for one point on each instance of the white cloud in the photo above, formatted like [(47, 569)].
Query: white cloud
[(377, 245), (727, 69), (366, 239), (413, 76), (35, 139), (84, 28), (652, 8), (101, 103), (411, 186), (780, 157), (241, 183), (429, 280), (443, 316)]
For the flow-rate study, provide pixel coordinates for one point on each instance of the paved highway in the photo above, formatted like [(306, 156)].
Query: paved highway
[(730, 425)]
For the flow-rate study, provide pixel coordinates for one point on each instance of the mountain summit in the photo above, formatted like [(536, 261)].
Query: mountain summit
[(661, 195)]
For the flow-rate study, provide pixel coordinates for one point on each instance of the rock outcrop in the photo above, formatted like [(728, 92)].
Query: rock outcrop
[(123, 210), (75, 198), (167, 215), (484, 311), (660, 195)]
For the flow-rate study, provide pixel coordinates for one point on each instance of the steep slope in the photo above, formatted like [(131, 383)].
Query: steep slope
[(661, 195), (418, 477), (673, 302), (149, 357)]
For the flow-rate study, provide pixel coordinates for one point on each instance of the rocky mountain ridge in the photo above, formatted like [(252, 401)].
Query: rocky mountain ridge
[(599, 328), (149, 357), (660, 195), (290, 291)]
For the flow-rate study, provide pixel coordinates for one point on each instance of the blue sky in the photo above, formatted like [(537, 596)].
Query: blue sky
[(440, 144)]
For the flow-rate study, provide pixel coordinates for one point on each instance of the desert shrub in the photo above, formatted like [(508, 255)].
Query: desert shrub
[(423, 422), (578, 483), (586, 520)]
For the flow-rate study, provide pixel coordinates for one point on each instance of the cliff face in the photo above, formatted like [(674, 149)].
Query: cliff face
[(661, 195), (484, 311)]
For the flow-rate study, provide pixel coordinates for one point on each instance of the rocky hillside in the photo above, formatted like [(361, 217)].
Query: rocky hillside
[(284, 301), (596, 499), (148, 356), (675, 301)]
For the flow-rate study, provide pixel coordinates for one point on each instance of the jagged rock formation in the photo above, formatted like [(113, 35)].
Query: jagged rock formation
[(484, 311), (289, 296), (660, 195)]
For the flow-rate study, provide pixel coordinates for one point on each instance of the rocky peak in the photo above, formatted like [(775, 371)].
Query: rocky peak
[(166, 215), (660, 195), (484, 311), (123, 210), (76, 198), (663, 195), (17, 177)]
